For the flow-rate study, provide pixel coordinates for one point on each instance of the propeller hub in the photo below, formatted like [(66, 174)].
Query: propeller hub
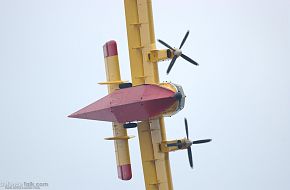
[(177, 52), (188, 143)]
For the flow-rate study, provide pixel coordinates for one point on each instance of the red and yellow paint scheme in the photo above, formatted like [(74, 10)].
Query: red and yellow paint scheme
[(145, 101), (138, 103), (145, 80)]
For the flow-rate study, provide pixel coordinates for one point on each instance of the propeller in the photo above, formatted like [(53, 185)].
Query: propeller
[(189, 153), (177, 53), (188, 144)]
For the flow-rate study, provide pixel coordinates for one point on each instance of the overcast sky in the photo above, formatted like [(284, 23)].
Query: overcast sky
[(51, 60)]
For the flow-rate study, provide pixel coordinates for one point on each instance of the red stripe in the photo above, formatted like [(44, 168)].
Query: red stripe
[(110, 48), (125, 172)]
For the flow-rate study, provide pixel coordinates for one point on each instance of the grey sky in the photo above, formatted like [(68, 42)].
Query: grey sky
[(51, 60)]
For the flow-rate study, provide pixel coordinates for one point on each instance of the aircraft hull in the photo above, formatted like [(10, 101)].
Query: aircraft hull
[(137, 103)]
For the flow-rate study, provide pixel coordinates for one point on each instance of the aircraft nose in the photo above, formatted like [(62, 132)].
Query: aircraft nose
[(177, 95)]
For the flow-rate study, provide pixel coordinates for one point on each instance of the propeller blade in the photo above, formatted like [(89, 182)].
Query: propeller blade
[(190, 157), (186, 128), (184, 39), (201, 141), (171, 64), (165, 44), (189, 59)]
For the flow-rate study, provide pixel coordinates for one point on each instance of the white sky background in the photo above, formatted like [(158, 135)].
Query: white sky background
[(51, 60)]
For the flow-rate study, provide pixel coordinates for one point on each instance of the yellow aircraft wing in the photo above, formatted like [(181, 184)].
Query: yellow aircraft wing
[(141, 42)]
